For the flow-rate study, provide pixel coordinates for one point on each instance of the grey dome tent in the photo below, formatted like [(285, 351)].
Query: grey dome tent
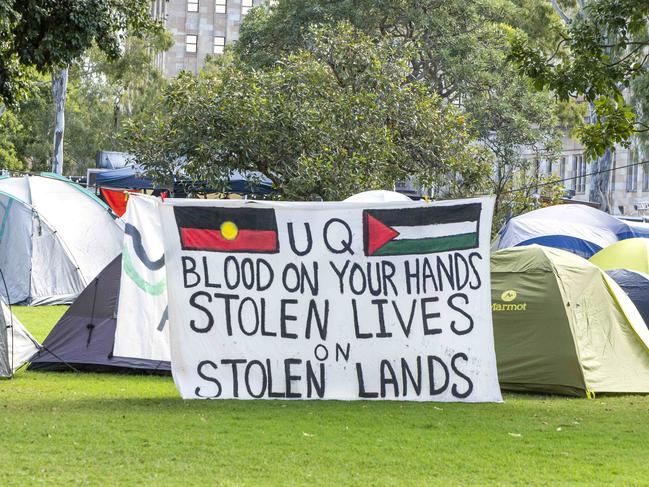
[(636, 286), (16, 344), (84, 336), (55, 237)]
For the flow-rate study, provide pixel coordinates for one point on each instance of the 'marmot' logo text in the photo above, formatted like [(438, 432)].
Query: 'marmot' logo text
[(509, 296), (509, 307)]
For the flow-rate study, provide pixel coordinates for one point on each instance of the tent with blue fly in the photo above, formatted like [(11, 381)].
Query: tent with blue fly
[(576, 228), (133, 177)]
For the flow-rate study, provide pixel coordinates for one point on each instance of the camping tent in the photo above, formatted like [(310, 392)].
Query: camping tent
[(133, 177), (16, 344), (636, 286), (84, 336), (55, 237), (377, 196), (577, 228), (632, 253), (562, 326)]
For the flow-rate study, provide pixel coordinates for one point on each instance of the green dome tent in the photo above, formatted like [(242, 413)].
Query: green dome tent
[(561, 325)]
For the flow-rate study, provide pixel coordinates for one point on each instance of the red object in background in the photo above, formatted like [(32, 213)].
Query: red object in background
[(116, 199)]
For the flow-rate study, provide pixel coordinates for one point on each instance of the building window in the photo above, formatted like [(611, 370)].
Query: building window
[(562, 169), (219, 44), (221, 6), (632, 178), (190, 43), (192, 5), (645, 176), (548, 167), (246, 5), (579, 174)]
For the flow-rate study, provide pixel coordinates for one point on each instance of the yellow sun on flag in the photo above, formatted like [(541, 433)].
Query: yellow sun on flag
[(229, 230)]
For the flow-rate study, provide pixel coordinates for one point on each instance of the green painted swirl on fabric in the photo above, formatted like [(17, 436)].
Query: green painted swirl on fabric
[(154, 289)]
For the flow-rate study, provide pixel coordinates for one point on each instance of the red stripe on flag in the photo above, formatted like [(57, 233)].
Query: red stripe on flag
[(246, 240)]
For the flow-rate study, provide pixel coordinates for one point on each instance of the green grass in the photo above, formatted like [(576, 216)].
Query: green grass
[(39, 320), (100, 429)]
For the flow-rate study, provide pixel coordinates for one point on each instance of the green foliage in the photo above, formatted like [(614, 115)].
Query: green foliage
[(44, 34), (640, 101), (458, 49), (518, 126), (340, 116), (9, 127), (614, 123), (101, 93), (603, 52), (32, 143)]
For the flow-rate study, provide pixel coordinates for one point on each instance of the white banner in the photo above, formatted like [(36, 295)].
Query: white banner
[(142, 329), (330, 300)]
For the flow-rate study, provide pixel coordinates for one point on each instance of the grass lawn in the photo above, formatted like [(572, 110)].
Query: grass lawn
[(101, 429)]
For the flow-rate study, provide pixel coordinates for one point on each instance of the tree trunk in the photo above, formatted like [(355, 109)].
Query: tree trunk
[(59, 92), (600, 191)]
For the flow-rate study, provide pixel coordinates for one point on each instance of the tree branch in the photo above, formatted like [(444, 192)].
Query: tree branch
[(558, 9)]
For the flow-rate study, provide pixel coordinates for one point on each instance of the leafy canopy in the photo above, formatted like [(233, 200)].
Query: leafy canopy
[(458, 49), (101, 94), (45, 34), (338, 116), (603, 51)]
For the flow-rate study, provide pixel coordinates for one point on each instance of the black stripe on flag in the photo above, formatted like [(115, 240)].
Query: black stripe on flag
[(211, 218), (428, 215)]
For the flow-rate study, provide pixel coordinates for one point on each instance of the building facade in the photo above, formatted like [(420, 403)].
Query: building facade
[(628, 178), (200, 28)]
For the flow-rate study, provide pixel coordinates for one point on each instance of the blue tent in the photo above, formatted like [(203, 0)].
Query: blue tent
[(124, 177), (579, 229), (636, 286), (133, 178)]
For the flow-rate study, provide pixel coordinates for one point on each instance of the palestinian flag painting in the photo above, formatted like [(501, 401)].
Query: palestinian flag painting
[(222, 229), (424, 230)]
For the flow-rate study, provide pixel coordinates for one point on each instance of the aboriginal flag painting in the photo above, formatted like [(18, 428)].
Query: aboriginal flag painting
[(421, 230), (218, 229)]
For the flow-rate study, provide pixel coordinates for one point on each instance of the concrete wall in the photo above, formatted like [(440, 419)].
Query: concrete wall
[(628, 199), (206, 24)]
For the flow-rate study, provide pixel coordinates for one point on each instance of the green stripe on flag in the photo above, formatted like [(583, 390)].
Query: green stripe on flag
[(154, 289), (428, 245)]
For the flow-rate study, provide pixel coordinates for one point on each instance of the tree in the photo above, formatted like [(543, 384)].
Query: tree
[(48, 35), (9, 126), (603, 51), (339, 116), (460, 50), (520, 151), (101, 94)]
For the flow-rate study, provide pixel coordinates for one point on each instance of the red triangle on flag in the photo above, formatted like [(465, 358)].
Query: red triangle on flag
[(378, 234)]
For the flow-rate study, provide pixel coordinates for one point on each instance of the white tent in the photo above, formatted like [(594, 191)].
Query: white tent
[(377, 196), (55, 237), (576, 228), (17, 346)]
